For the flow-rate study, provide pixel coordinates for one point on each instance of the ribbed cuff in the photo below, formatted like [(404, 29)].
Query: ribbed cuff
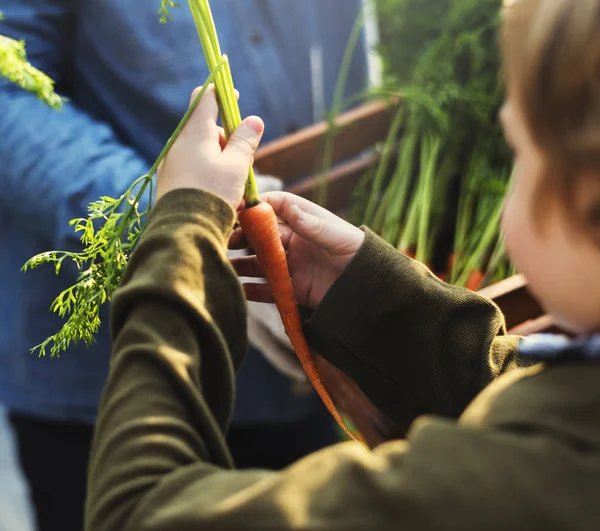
[(191, 205), (343, 308)]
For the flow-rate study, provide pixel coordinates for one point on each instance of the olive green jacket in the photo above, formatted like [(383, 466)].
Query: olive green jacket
[(491, 445)]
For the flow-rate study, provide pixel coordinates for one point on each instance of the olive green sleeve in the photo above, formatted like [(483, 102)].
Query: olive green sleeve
[(178, 324), (159, 460), (413, 343)]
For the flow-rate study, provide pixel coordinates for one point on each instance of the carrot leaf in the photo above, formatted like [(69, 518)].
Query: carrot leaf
[(108, 235), (15, 67), (165, 10)]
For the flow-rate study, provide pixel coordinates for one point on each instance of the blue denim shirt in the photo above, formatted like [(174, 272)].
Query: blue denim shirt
[(128, 79)]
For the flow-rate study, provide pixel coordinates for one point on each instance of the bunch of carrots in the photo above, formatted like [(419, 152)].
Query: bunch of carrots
[(431, 213), (437, 190)]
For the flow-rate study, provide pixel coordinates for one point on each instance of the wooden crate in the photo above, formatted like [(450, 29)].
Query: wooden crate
[(294, 159)]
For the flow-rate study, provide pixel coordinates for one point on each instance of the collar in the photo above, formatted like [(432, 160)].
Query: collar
[(550, 347)]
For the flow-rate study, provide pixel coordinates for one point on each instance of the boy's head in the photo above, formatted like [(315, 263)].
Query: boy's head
[(551, 118)]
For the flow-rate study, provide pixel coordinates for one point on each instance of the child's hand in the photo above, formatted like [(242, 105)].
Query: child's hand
[(201, 159), (319, 245)]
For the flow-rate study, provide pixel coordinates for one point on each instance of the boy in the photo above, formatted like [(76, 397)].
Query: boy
[(521, 453)]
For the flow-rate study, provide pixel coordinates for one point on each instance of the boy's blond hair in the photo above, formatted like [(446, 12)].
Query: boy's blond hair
[(551, 52)]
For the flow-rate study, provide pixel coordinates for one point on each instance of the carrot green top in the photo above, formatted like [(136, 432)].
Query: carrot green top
[(525, 454)]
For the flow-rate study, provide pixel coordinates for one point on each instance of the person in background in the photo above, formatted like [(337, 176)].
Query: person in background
[(127, 79), (503, 431)]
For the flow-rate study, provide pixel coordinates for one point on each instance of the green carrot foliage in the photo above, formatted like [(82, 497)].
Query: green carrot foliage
[(113, 226), (108, 235), (441, 61), (165, 10), (15, 67)]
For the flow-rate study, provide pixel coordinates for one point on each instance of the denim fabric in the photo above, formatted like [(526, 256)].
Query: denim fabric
[(128, 79)]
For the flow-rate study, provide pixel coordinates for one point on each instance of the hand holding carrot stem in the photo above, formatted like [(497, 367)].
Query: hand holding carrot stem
[(201, 158), (319, 246)]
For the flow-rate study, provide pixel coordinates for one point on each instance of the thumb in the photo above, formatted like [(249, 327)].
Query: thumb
[(244, 141)]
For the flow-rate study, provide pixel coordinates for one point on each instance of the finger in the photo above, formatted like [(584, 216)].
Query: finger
[(208, 108), (282, 201), (258, 292), (237, 240), (247, 266), (243, 143), (312, 222), (286, 232), (201, 128)]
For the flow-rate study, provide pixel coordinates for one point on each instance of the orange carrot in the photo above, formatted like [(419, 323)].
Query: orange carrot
[(451, 261), (475, 280), (261, 229)]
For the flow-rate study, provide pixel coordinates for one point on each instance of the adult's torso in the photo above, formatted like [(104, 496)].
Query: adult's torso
[(136, 74)]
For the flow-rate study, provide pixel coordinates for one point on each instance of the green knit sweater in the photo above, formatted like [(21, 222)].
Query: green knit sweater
[(491, 445)]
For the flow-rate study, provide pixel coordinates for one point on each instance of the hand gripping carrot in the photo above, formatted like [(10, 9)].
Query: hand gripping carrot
[(261, 229)]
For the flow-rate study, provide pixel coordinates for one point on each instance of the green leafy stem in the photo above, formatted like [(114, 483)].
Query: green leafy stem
[(15, 67), (164, 11), (109, 234)]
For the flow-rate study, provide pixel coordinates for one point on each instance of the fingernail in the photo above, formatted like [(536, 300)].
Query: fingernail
[(255, 123)]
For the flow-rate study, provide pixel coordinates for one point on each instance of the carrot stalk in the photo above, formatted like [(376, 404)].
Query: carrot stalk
[(261, 229), (229, 109)]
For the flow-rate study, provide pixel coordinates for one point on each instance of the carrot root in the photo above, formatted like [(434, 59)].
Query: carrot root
[(475, 280), (451, 261), (261, 229)]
